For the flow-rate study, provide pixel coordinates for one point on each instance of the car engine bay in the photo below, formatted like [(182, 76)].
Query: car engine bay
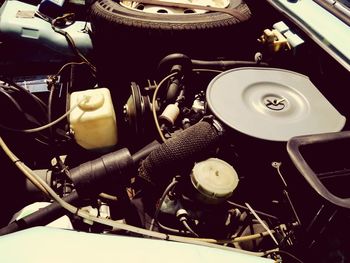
[(178, 122)]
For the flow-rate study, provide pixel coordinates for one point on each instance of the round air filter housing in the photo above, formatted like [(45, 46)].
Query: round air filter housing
[(271, 104)]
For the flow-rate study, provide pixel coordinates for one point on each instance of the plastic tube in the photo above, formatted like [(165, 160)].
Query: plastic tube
[(187, 226), (70, 64), (172, 230), (44, 127)]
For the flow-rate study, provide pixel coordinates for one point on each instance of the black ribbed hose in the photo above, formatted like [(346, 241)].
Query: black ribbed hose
[(179, 153)]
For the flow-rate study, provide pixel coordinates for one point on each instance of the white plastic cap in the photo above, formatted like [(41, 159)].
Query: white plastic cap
[(214, 179), (94, 100)]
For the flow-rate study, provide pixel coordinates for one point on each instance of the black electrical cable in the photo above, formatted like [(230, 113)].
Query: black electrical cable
[(71, 64), (46, 126), (38, 101), (26, 116), (42, 142), (35, 99), (49, 105), (69, 39), (12, 100), (41, 217), (52, 87), (161, 200)]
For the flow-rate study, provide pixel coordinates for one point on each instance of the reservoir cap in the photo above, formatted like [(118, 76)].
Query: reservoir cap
[(214, 179)]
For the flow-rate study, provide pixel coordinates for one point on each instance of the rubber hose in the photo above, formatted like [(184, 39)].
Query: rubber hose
[(179, 153), (225, 64)]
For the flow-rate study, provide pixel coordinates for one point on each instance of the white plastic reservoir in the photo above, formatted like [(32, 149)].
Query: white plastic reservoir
[(93, 121)]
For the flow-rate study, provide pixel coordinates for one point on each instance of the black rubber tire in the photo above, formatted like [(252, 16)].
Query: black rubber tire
[(113, 12), (129, 44)]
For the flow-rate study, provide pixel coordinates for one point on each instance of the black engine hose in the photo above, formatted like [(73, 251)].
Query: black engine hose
[(166, 63), (41, 217), (179, 153), (225, 64), (188, 64)]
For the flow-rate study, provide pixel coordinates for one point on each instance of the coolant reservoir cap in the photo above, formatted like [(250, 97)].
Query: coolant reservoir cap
[(94, 100), (214, 178)]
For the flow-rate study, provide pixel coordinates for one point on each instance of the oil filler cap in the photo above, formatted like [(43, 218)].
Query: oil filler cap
[(214, 179)]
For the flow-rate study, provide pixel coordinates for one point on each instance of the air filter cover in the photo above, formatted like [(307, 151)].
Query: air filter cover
[(271, 104)]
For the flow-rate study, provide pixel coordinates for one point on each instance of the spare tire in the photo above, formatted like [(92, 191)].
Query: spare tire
[(128, 43), (160, 19)]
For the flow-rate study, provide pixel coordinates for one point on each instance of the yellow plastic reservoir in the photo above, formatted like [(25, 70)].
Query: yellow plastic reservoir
[(93, 121)]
